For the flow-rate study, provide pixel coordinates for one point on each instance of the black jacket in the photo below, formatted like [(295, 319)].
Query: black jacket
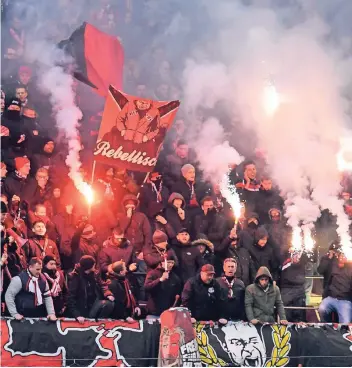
[(337, 281), (83, 290), (245, 266), (172, 217), (213, 225), (111, 253), (203, 300), (185, 189), (116, 285), (153, 255), (161, 295), (265, 200), (189, 260), (148, 197), (232, 303)]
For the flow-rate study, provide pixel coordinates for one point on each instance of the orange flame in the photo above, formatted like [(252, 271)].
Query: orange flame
[(271, 99), (309, 242), (297, 243)]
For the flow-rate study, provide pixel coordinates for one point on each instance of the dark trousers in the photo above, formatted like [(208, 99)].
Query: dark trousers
[(101, 309), (294, 297)]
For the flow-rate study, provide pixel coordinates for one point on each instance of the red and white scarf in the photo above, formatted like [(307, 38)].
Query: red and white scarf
[(56, 288), (229, 285), (33, 287)]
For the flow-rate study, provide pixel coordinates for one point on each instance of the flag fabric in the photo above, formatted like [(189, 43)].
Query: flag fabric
[(98, 57), (132, 130)]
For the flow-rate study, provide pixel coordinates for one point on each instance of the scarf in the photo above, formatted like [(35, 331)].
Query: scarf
[(20, 176), (229, 285), (157, 191), (33, 287), (131, 301), (55, 289), (193, 201)]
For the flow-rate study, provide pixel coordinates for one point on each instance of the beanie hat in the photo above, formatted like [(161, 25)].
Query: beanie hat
[(20, 162), (25, 69), (159, 237), (47, 259), (186, 168), (86, 262), (260, 233)]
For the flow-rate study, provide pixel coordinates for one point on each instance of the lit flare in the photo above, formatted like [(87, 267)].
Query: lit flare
[(271, 99), (309, 242), (297, 242), (229, 192)]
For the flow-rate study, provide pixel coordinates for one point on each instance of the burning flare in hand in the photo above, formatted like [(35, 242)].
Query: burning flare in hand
[(271, 98), (228, 191), (309, 242), (297, 243)]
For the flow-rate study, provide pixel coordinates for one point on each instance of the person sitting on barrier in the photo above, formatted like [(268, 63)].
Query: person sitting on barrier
[(337, 295), (28, 294), (126, 305), (87, 293), (163, 287), (233, 292), (262, 297), (202, 295), (57, 284)]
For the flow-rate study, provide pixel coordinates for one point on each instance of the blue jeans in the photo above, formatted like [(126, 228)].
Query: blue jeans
[(342, 307)]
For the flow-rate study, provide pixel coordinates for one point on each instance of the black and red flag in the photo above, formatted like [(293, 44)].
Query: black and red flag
[(98, 57)]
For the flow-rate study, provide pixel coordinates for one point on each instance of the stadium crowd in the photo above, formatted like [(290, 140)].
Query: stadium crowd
[(144, 246)]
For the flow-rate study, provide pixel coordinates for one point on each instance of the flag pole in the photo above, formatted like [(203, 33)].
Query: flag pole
[(93, 172), (144, 181)]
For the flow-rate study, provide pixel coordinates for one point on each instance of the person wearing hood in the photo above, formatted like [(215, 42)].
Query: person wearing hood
[(279, 231), (337, 295), (153, 192), (39, 245), (176, 214), (230, 248), (189, 258), (88, 295), (160, 249), (28, 294), (125, 304), (57, 284), (202, 295), (262, 252), (134, 224), (210, 222), (163, 286), (157, 218), (247, 234), (292, 284), (267, 198), (188, 188), (233, 292), (261, 299), (117, 248), (84, 242), (206, 248)]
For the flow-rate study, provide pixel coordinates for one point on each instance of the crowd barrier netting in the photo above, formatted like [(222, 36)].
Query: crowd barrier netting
[(34, 342)]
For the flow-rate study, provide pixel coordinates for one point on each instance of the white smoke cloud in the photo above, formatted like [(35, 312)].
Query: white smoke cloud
[(261, 45)]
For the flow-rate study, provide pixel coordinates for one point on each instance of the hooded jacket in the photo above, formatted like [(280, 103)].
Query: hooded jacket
[(80, 286), (172, 217), (189, 260), (161, 295), (137, 227), (111, 253), (184, 188), (208, 255), (267, 199), (203, 300), (260, 303), (153, 255)]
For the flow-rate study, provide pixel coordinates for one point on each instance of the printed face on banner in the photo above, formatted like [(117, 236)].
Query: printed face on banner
[(132, 130), (244, 345)]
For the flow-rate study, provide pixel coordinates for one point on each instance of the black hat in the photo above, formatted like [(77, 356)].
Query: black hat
[(47, 259), (86, 262)]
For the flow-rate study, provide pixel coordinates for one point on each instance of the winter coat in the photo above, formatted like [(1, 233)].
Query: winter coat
[(259, 304), (116, 285), (161, 295), (267, 199), (153, 255), (136, 229), (40, 247), (65, 227), (172, 217), (337, 281), (213, 225), (203, 300), (292, 275), (148, 196), (61, 299), (172, 169), (232, 304), (111, 253), (208, 255), (245, 267), (185, 189), (80, 286), (189, 260), (14, 185)]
